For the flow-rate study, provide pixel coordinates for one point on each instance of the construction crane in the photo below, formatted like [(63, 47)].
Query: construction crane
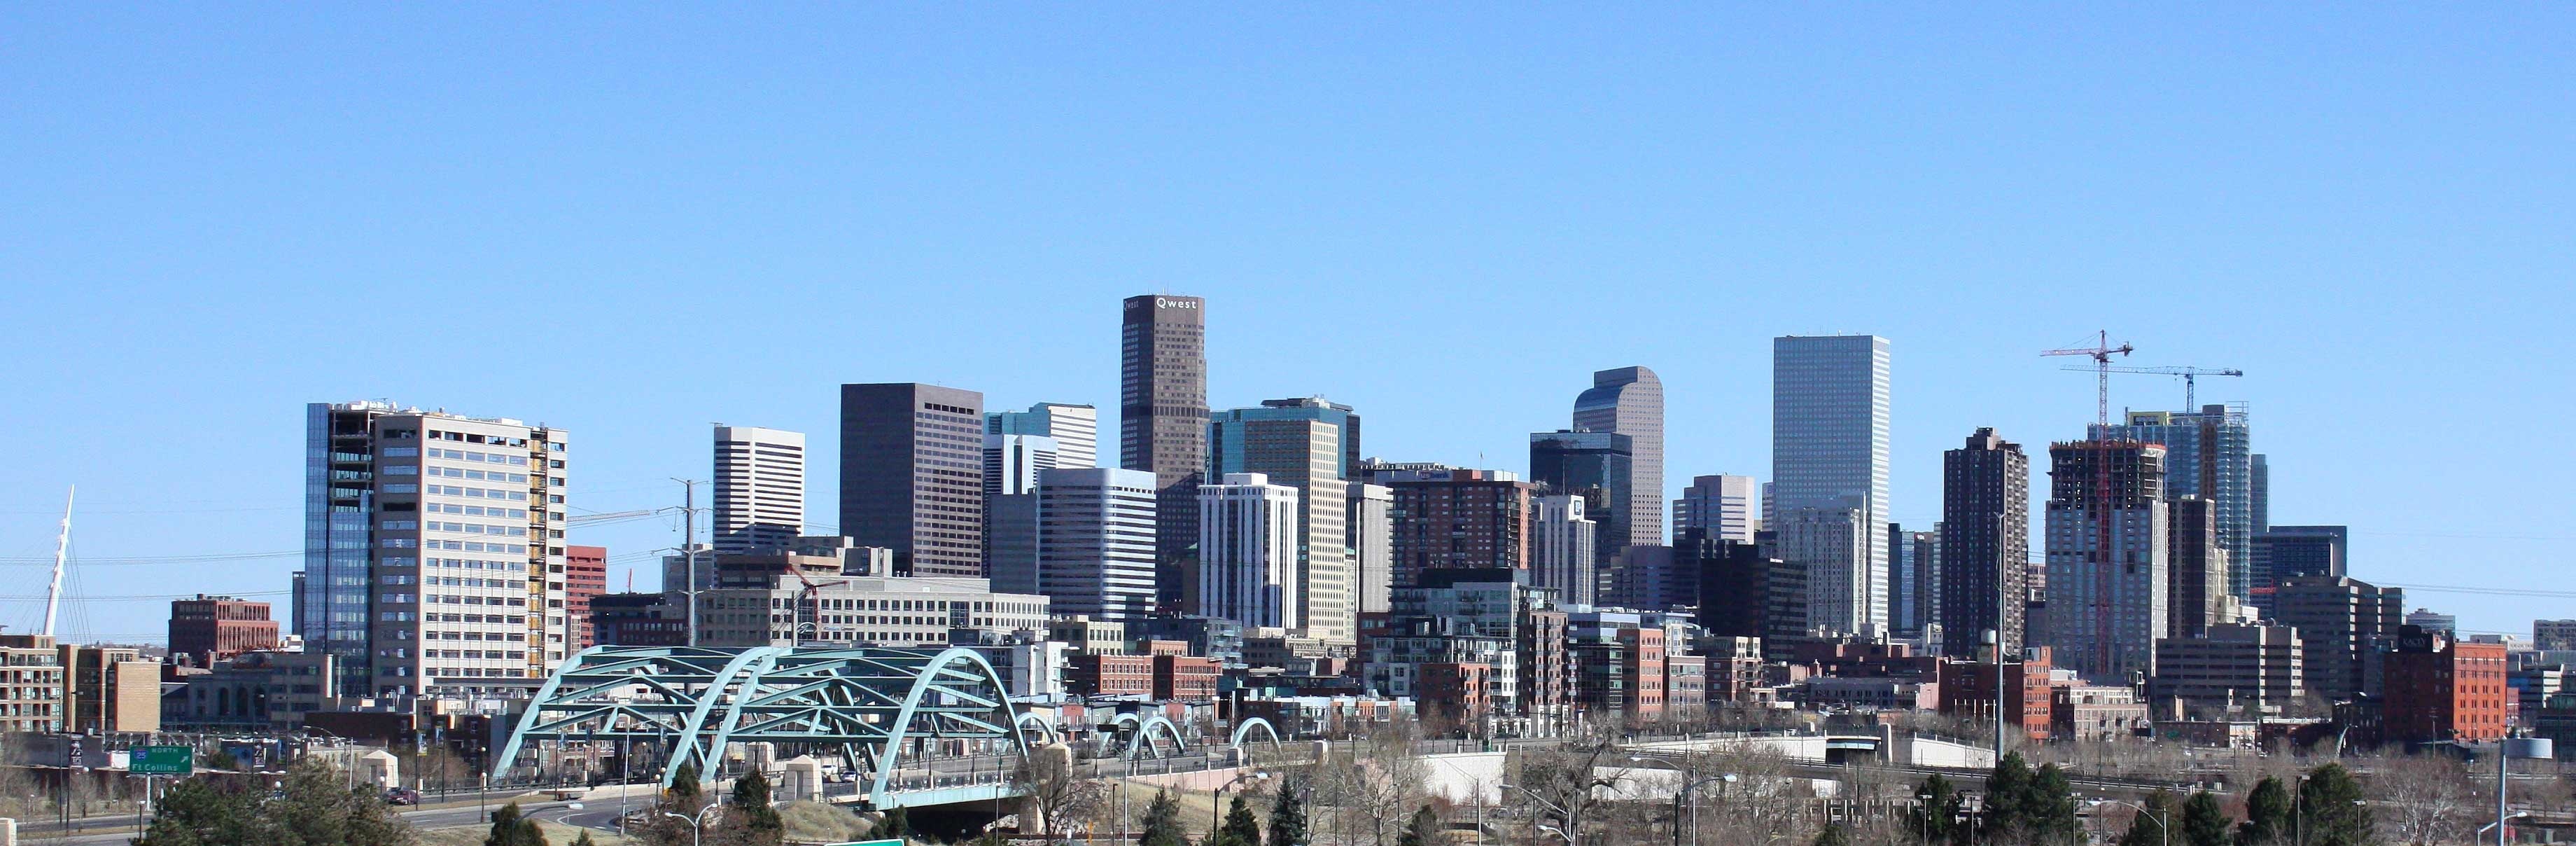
[(2101, 353), (2190, 387)]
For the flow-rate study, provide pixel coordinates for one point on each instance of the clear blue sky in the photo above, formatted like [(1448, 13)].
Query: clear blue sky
[(635, 221)]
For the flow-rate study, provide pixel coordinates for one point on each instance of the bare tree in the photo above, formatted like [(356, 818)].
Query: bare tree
[(1063, 793), (2424, 799)]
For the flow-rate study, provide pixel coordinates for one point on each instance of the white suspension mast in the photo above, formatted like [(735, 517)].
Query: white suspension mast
[(62, 553)]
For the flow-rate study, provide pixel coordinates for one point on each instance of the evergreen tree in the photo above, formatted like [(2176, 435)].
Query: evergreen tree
[(318, 807), (509, 828), (193, 812), (1162, 822), (584, 840), (1833, 835), (894, 825), (2005, 790), (1936, 820), (2049, 803), (2330, 809), (2267, 814), (754, 821), (1422, 830), (2204, 823), (1288, 815), (2149, 828), (684, 788), (1240, 828)]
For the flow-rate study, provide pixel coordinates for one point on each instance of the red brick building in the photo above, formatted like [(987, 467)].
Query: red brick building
[(2442, 689), (1463, 519), (585, 577), (1460, 692), (1184, 678), (207, 629), (1645, 666), (1968, 693), (1110, 675)]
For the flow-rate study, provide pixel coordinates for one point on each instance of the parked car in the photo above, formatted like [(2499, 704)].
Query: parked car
[(401, 796)]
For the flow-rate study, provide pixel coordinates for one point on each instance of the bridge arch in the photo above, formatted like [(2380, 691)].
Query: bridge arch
[(1141, 741), (1246, 729)]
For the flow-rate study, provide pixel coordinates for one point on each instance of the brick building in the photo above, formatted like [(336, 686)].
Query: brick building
[(1184, 678), (207, 629), (1968, 693), (1458, 692), (2441, 689), (585, 578), (1090, 674)]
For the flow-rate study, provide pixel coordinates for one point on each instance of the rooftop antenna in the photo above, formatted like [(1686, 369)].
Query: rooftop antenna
[(62, 553)]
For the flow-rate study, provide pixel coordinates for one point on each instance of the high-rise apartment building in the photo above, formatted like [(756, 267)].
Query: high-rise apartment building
[(433, 549), (1372, 546), (1728, 506), (2260, 492), (1458, 520), (2196, 568), (1248, 552), (1829, 455), (1914, 582), (585, 579), (1074, 428), (2107, 561), (1299, 443), (208, 629), (1598, 466), (760, 488), (1630, 401), (912, 475), (1743, 593), (1162, 424), (2344, 624), (1562, 558), (2208, 454), (1985, 545), (1096, 540), (2281, 553)]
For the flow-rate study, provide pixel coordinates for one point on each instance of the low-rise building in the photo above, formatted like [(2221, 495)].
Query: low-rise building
[(1185, 678), (255, 691), (2096, 712), (2235, 671), (1096, 674), (2441, 689), (31, 684), (862, 611), (110, 690), (207, 629), (1968, 692)]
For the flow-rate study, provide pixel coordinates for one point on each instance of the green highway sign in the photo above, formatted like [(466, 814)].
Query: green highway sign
[(162, 760)]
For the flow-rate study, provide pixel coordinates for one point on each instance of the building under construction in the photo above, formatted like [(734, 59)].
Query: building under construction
[(2108, 566)]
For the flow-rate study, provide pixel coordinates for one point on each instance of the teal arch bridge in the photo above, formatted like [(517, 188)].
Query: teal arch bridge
[(913, 727)]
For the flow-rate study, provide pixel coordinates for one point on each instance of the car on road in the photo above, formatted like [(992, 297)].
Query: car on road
[(401, 796)]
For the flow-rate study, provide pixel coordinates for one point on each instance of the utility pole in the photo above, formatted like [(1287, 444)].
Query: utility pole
[(689, 548)]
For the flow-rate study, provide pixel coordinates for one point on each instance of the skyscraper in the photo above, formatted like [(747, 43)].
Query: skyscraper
[(1162, 424), (2208, 454), (401, 501), (912, 475), (1630, 401), (1248, 544), (2259, 490), (1914, 582), (1450, 519), (1299, 443), (1599, 466), (1829, 454), (1372, 546), (760, 488), (2107, 560), (1563, 558), (1096, 541), (2196, 582), (2344, 624), (1012, 462), (2282, 553), (1727, 506), (1075, 429)]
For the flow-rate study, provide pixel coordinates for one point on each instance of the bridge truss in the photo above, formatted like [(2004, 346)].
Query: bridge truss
[(862, 704)]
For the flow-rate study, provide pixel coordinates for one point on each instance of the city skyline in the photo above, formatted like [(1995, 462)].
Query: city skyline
[(183, 239)]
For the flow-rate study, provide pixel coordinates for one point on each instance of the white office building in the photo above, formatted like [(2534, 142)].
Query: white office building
[(1074, 428), (864, 611), (760, 488), (1096, 541), (1372, 546), (1248, 536), (434, 551), (1561, 557), (1728, 507), (1012, 462), (1829, 451)]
